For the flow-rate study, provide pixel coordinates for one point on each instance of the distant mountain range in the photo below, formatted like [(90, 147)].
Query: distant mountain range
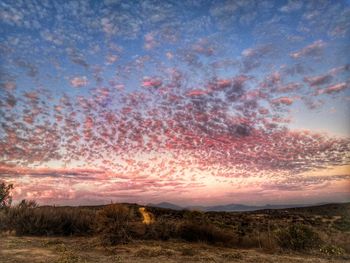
[(167, 206), (227, 208)]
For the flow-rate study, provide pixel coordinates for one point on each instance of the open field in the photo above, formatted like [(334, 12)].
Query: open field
[(52, 249), (130, 233)]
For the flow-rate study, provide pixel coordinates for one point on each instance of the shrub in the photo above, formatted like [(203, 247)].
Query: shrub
[(297, 237), (195, 216), (332, 250), (161, 229), (5, 195), (188, 251), (342, 224), (68, 256), (193, 232), (232, 256), (3, 221), (266, 241), (28, 219), (113, 224), (154, 252), (27, 204)]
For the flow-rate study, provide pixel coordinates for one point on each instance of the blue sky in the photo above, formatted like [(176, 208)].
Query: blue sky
[(215, 91)]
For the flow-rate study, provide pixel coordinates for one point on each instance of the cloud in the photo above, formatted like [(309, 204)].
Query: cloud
[(77, 57), (150, 41), (11, 172), (194, 122), (253, 57), (111, 59), (151, 82), (314, 50), (283, 100), (290, 87), (318, 80), (79, 81), (293, 5), (304, 183), (217, 101), (197, 92), (336, 88)]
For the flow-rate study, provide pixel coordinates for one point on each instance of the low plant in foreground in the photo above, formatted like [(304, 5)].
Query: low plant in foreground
[(297, 237), (209, 233), (28, 219), (332, 250), (188, 251), (68, 257), (161, 229), (5, 195), (113, 224), (233, 256)]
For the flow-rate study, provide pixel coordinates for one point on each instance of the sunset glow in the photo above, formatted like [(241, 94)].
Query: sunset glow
[(194, 102)]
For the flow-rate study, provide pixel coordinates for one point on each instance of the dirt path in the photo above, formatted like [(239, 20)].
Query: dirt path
[(147, 217)]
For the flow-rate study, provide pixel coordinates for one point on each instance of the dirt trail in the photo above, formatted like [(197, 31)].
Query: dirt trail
[(147, 217)]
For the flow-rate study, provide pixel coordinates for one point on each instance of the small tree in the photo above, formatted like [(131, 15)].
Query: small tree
[(5, 195)]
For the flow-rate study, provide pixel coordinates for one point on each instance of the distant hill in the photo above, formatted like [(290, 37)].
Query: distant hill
[(340, 209), (330, 209), (167, 206), (244, 208)]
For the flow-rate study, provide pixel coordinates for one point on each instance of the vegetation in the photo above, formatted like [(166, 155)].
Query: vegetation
[(162, 229), (298, 237), (269, 231), (332, 250), (209, 233), (5, 203), (113, 224), (5, 195), (28, 219), (342, 224)]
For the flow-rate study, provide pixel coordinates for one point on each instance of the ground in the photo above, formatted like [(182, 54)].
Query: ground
[(83, 249)]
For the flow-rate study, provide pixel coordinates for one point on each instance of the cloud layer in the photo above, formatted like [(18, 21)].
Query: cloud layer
[(152, 99)]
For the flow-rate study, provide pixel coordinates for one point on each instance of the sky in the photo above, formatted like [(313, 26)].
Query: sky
[(194, 102)]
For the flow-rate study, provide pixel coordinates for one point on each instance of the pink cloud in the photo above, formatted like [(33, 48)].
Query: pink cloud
[(111, 59), (197, 92), (334, 88), (318, 80), (78, 82), (151, 82), (314, 49), (283, 100)]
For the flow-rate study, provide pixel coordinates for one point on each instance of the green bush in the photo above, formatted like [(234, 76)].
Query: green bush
[(297, 237)]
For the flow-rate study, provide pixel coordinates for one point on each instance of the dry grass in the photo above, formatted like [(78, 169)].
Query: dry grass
[(50, 221), (105, 229), (87, 249)]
